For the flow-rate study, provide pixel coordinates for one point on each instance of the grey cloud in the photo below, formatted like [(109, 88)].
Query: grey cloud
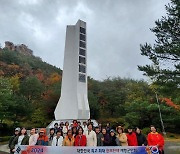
[(115, 30)]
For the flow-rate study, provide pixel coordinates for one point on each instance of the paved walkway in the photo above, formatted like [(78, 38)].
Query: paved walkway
[(172, 147), (4, 149)]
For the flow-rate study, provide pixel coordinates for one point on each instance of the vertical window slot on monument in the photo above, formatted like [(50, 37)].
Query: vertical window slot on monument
[(82, 37), (82, 52), (82, 78), (82, 69), (82, 30), (82, 44), (82, 60)]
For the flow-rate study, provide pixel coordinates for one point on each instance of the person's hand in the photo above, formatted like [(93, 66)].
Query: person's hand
[(13, 150), (102, 139)]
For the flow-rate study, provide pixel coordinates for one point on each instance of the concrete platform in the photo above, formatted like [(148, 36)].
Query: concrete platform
[(4, 149)]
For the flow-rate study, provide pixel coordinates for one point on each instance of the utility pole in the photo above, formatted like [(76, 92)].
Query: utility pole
[(160, 115)]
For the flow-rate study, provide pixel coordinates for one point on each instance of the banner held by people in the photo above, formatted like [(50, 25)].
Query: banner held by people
[(23, 149)]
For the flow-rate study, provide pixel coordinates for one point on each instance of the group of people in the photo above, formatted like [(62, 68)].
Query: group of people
[(75, 134)]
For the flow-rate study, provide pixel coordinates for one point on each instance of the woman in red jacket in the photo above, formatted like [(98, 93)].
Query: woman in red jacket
[(156, 139), (80, 139), (131, 137)]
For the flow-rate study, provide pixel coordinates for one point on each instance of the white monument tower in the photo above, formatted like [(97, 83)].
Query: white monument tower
[(73, 103)]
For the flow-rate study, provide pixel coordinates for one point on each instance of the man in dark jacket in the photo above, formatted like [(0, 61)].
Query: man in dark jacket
[(141, 139), (16, 132), (99, 136)]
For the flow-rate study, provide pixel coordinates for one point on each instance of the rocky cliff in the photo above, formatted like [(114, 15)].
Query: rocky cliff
[(21, 48)]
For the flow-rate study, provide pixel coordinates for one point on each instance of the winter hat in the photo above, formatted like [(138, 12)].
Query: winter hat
[(17, 129), (112, 130)]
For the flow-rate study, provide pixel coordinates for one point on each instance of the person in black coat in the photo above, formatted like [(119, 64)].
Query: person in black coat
[(114, 141), (108, 128), (140, 137), (21, 139), (17, 130)]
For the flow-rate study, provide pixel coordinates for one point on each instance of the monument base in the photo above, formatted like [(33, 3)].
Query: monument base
[(51, 125)]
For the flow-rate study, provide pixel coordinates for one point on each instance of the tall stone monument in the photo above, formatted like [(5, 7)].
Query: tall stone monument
[(73, 102)]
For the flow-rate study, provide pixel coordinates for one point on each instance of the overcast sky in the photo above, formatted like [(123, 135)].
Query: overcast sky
[(115, 29)]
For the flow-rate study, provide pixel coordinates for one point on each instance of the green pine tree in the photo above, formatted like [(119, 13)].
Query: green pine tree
[(165, 53)]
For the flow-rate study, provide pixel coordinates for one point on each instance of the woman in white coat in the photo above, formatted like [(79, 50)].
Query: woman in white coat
[(91, 136), (65, 129), (58, 139)]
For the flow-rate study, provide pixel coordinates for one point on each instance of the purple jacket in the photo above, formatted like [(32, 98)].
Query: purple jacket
[(106, 140)]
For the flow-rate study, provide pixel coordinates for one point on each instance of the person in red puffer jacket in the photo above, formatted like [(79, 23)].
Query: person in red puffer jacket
[(80, 139), (156, 139), (131, 137)]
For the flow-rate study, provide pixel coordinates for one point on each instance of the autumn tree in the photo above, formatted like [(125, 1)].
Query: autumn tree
[(12, 106), (14, 80), (20, 108), (6, 94), (31, 88)]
